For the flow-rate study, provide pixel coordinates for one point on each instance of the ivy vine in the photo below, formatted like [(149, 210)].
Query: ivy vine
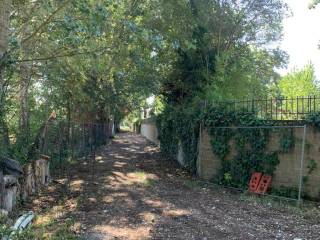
[(287, 140), (250, 154), (180, 125), (314, 120)]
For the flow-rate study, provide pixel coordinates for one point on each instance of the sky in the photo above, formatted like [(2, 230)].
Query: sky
[(302, 36)]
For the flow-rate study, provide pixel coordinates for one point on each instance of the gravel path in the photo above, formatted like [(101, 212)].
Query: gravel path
[(136, 194)]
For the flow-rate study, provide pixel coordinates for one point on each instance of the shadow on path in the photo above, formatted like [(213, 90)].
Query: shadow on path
[(136, 194)]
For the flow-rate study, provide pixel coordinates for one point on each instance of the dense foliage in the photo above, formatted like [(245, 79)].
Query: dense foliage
[(250, 153), (239, 139), (222, 55), (179, 128), (299, 82), (314, 119), (89, 61), (96, 61)]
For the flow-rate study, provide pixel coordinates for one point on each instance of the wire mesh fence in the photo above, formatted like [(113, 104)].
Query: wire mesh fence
[(274, 108), (276, 151)]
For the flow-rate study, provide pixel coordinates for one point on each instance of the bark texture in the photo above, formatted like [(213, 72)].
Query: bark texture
[(5, 7), (25, 77)]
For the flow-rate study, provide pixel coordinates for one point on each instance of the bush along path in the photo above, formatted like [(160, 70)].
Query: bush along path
[(135, 193)]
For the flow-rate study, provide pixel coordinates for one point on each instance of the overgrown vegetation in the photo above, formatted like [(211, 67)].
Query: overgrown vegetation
[(40, 232), (206, 71), (250, 153), (180, 128), (212, 64), (314, 120), (239, 139), (98, 61)]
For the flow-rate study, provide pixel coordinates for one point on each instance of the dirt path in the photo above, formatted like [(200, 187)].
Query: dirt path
[(135, 194)]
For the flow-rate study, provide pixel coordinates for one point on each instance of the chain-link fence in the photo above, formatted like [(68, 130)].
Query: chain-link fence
[(276, 151)]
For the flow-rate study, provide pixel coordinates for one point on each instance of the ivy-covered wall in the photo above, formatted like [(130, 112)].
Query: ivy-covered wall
[(230, 156), (178, 129), (286, 169)]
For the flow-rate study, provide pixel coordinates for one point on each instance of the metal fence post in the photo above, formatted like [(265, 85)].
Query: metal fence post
[(301, 164)]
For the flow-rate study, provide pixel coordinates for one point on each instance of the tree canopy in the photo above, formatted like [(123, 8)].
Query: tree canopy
[(299, 82), (100, 59)]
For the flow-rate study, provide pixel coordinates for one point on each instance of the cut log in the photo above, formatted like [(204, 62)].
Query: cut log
[(10, 198), (10, 180), (29, 186), (42, 174), (11, 192)]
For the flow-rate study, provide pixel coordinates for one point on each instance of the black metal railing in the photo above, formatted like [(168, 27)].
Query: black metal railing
[(275, 108), (65, 140)]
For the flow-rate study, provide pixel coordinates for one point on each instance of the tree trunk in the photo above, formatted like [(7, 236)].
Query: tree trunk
[(25, 76), (24, 91), (5, 7)]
